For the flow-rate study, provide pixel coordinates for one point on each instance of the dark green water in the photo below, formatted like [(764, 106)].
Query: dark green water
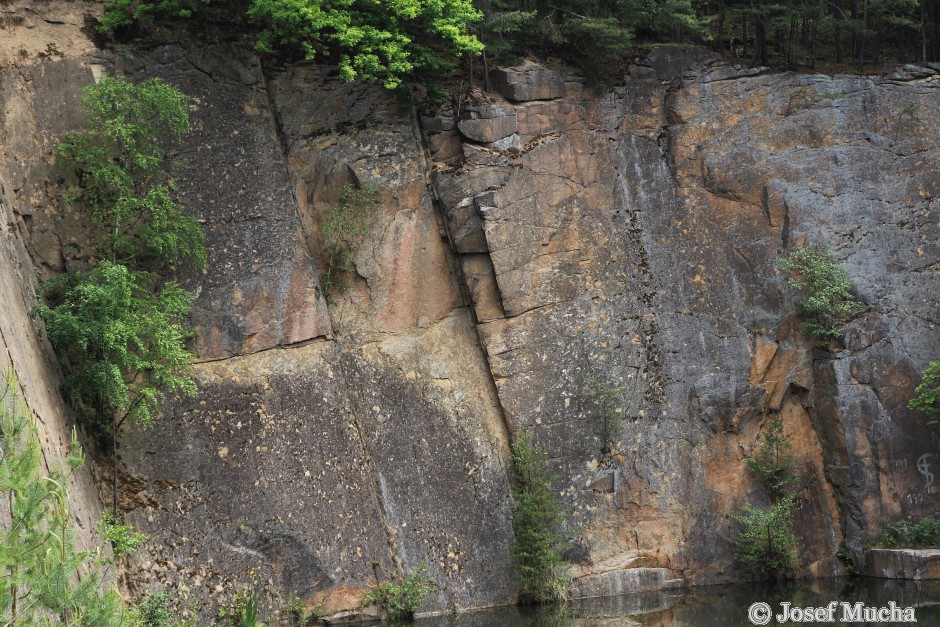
[(714, 606)]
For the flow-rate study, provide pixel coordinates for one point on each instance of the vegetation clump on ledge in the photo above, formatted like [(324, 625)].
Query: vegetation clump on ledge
[(826, 301)]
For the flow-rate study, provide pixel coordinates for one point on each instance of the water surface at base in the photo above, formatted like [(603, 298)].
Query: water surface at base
[(714, 606)]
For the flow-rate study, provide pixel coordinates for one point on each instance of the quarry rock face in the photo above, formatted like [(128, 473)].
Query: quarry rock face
[(527, 250)]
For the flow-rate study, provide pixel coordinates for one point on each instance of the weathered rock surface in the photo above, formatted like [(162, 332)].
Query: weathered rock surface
[(39, 93), (916, 564), (519, 251), (261, 288), (635, 241), (529, 81)]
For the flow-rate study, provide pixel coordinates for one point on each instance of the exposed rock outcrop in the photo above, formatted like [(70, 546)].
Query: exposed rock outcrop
[(522, 248)]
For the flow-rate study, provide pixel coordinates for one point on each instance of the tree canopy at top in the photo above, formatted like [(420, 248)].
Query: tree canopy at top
[(381, 41)]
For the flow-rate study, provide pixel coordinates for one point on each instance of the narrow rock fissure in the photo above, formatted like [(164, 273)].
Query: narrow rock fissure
[(460, 278), (285, 156), (351, 395), (377, 491)]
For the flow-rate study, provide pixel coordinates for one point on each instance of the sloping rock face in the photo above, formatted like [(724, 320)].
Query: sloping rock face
[(634, 239), (525, 253), (39, 89), (319, 462)]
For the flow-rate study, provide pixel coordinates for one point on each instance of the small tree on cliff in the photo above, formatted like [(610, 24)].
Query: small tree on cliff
[(118, 328), (825, 302), (537, 520), (765, 543), (772, 461)]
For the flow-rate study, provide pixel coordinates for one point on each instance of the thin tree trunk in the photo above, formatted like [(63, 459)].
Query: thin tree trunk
[(862, 38), (923, 32), (744, 36), (838, 33), (760, 44), (902, 45), (486, 73), (114, 481), (813, 47), (721, 27), (855, 31)]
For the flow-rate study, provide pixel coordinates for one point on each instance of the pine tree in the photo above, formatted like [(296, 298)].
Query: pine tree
[(45, 579), (537, 520)]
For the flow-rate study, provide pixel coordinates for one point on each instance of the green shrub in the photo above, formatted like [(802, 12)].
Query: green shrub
[(124, 340), (537, 522), (910, 533), (123, 539), (120, 14), (765, 545), (826, 302), (154, 611), (846, 558), (772, 463), (927, 394), (116, 170), (46, 580), (295, 613), (404, 599), (343, 230)]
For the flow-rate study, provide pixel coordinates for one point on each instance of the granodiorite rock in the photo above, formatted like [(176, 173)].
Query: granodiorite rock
[(916, 564), (630, 238), (39, 94), (635, 240)]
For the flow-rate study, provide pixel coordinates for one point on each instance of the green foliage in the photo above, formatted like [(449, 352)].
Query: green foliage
[(123, 336), (117, 170), (927, 394), (154, 611), (826, 302), (910, 533), (343, 230), (373, 41), (119, 328), (604, 402), (243, 612), (45, 578), (846, 558), (772, 463), (295, 613), (594, 34), (765, 545), (537, 522), (402, 600), (121, 14), (123, 539)]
